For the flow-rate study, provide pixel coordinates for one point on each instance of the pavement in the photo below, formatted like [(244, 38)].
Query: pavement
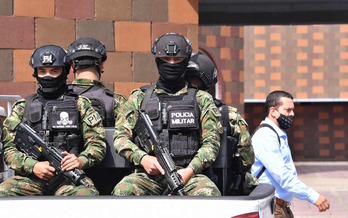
[(329, 179)]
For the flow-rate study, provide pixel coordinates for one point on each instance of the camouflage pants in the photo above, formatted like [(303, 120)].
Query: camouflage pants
[(33, 186), (140, 183)]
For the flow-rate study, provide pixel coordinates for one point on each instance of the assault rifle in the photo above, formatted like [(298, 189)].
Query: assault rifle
[(238, 176), (149, 140), (33, 145)]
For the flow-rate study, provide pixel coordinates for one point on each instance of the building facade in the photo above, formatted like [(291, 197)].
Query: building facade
[(309, 61)]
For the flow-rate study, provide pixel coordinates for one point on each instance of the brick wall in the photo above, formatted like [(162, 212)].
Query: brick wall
[(319, 131), (126, 27), (307, 61), (224, 45), (310, 62)]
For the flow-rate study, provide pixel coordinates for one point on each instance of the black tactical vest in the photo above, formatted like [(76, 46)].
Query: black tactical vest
[(177, 121), (102, 100), (59, 118)]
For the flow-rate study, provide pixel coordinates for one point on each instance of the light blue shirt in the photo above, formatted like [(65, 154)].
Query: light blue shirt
[(280, 168)]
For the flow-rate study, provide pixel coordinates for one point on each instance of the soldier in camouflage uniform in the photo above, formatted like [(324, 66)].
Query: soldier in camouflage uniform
[(87, 57), (172, 52), (88, 147), (202, 73)]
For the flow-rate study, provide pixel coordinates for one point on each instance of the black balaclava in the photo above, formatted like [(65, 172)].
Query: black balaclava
[(171, 76), (284, 122), (52, 87)]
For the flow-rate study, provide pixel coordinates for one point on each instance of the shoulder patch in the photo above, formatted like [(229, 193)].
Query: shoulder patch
[(216, 112), (93, 119)]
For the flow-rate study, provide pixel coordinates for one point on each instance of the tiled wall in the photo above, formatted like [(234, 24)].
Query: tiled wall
[(319, 131), (310, 62), (224, 44), (126, 27), (307, 61)]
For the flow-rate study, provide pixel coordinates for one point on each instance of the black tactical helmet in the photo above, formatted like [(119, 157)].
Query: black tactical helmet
[(49, 55), (172, 45), (203, 67), (85, 48)]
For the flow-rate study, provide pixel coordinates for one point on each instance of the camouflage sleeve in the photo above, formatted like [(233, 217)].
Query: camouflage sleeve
[(15, 159), (240, 130), (93, 134), (119, 101), (211, 130), (125, 123)]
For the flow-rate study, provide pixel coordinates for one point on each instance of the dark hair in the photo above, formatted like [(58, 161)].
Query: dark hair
[(273, 99)]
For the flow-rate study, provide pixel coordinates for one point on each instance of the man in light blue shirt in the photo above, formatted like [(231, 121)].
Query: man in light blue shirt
[(273, 160)]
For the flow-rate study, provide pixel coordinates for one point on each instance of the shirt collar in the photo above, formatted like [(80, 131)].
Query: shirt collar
[(279, 130)]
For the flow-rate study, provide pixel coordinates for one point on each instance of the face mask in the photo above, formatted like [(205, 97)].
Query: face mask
[(171, 72), (48, 81), (171, 75), (284, 122), (52, 85)]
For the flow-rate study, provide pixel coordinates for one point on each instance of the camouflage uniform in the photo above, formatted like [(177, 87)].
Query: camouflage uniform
[(86, 83), (26, 183), (140, 183), (239, 130)]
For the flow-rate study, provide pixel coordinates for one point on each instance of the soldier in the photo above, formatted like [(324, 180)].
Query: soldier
[(194, 145), (87, 57), (67, 122), (202, 73)]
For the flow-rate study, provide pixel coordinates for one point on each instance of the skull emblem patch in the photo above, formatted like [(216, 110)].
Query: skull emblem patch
[(64, 119)]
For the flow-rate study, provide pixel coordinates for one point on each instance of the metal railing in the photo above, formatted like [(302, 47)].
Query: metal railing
[(10, 99)]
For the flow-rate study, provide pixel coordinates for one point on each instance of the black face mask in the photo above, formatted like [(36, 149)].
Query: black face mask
[(52, 87), (49, 82), (285, 122), (171, 75)]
